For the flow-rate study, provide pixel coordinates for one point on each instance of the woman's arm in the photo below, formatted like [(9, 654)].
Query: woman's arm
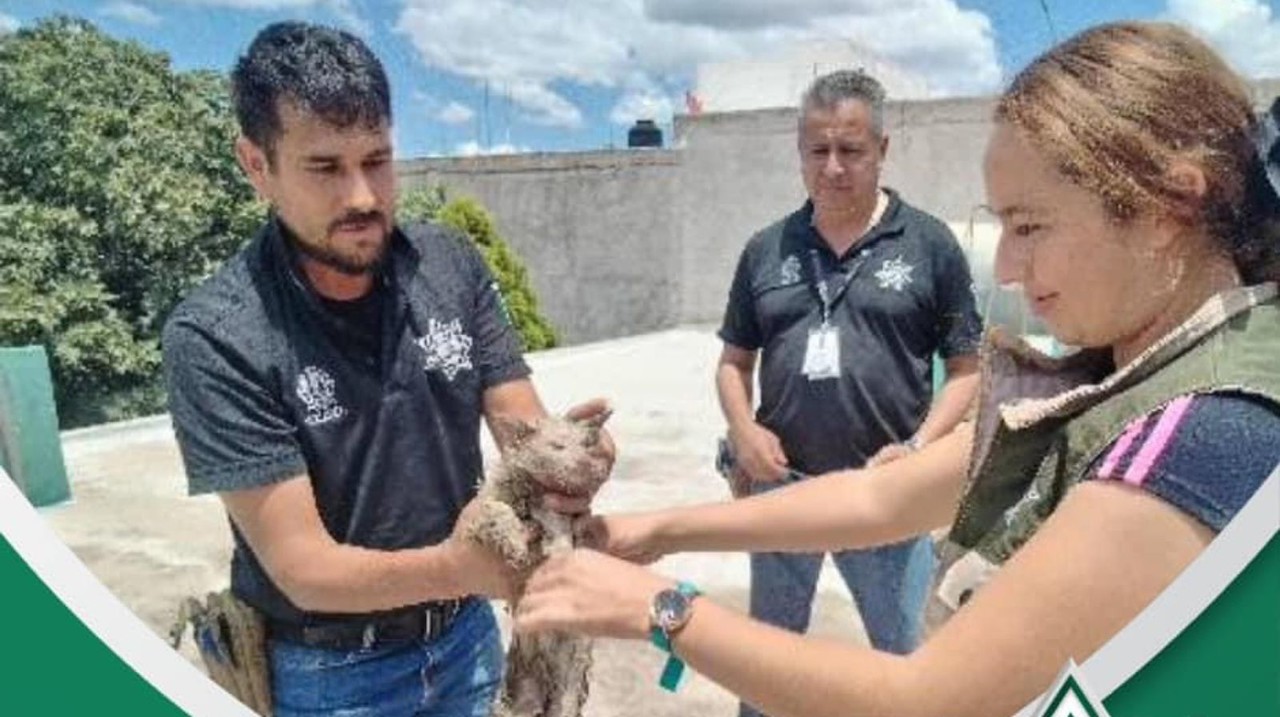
[(849, 509), (1094, 565)]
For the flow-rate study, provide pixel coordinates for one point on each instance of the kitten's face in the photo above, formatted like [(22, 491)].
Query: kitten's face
[(563, 455)]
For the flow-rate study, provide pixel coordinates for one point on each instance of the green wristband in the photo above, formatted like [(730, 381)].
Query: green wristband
[(673, 670)]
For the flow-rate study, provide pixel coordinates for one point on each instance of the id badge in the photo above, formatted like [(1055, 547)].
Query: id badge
[(822, 354)]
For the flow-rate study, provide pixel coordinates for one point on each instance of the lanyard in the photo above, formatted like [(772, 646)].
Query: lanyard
[(826, 299)]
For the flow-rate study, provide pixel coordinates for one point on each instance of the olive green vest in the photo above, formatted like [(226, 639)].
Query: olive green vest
[(1043, 422)]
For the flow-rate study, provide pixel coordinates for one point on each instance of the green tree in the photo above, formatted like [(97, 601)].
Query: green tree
[(118, 192), (473, 220), (420, 204)]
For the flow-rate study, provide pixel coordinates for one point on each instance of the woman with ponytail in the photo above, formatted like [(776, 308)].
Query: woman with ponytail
[(1139, 200)]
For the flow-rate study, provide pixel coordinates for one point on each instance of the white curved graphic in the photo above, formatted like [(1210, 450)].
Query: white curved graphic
[(126, 635), (103, 613), (1188, 596)]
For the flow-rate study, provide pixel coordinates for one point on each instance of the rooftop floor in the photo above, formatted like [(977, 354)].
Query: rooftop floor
[(132, 523)]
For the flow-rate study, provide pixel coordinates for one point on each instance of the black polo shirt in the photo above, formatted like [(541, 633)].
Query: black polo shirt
[(909, 294), (266, 383)]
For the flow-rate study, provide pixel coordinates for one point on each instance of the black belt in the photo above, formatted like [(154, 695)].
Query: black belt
[(425, 622)]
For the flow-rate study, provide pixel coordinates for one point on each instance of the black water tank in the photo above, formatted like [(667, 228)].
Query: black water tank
[(645, 133)]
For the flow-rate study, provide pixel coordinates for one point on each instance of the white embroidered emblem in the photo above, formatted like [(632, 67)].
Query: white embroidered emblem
[(789, 272), (448, 350), (895, 274), (315, 389)]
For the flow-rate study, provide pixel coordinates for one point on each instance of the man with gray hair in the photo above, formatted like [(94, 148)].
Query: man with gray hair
[(846, 300)]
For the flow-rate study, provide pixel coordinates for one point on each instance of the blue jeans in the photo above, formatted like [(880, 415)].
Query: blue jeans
[(455, 675), (890, 586)]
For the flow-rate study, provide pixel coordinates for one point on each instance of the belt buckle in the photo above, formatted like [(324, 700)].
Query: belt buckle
[(432, 624), (437, 616)]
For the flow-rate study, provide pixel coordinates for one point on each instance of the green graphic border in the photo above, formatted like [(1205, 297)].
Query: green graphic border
[(55, 665), (1226, 663)]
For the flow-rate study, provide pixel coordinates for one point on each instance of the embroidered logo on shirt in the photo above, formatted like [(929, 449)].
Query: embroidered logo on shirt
[(895, 274), (502, 303), (315, 388), (447, 348), (789, 272)]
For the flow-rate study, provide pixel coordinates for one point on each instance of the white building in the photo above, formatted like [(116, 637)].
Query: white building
[(779, 81)]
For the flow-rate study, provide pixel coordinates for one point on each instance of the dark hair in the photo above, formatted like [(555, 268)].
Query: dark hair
[(323, 71), (1116, 106), (830, 90)]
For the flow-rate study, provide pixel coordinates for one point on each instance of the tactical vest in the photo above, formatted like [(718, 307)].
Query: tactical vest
[(1042, 422)]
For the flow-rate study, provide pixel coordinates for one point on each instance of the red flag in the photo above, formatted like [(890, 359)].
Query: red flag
[(692, 103)]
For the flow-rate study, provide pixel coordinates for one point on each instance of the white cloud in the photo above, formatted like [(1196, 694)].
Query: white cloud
[(642, 105), (652, 48), (255, 4), (544, 105), (757, 13), (343, 10), (953, 49), (1246, 32), (348, 16), (8, 24), (130, 12), (456, 113), (472, 149)]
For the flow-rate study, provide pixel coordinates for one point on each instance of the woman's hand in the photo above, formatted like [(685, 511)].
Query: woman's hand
[(589, 593), (634, 537)]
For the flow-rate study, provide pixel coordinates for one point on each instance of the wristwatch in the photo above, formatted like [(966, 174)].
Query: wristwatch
[(670, 611)]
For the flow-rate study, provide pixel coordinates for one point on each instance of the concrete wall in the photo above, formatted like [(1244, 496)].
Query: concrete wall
[(627, 241), (596, 230), (740, 172)]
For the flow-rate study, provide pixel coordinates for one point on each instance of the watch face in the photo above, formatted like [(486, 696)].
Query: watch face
[(670, 608)]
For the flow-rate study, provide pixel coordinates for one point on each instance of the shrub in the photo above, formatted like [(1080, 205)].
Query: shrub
[(473, 220)]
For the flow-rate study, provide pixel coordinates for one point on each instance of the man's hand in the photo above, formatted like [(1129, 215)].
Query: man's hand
[(889, 454), (633, 538), (597, 409), (592, 408), (602, 455), (758, 453)]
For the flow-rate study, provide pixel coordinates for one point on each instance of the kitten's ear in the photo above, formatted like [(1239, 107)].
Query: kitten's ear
[(509, 430), (593, 413), (596, 422)]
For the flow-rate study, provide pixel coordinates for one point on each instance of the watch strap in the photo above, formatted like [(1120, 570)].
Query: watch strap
[(673, 670), (672, 673)]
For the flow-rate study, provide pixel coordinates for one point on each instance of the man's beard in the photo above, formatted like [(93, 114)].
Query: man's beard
[(350, 263)]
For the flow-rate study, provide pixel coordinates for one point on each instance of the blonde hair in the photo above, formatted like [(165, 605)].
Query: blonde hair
[(1117, 106)]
